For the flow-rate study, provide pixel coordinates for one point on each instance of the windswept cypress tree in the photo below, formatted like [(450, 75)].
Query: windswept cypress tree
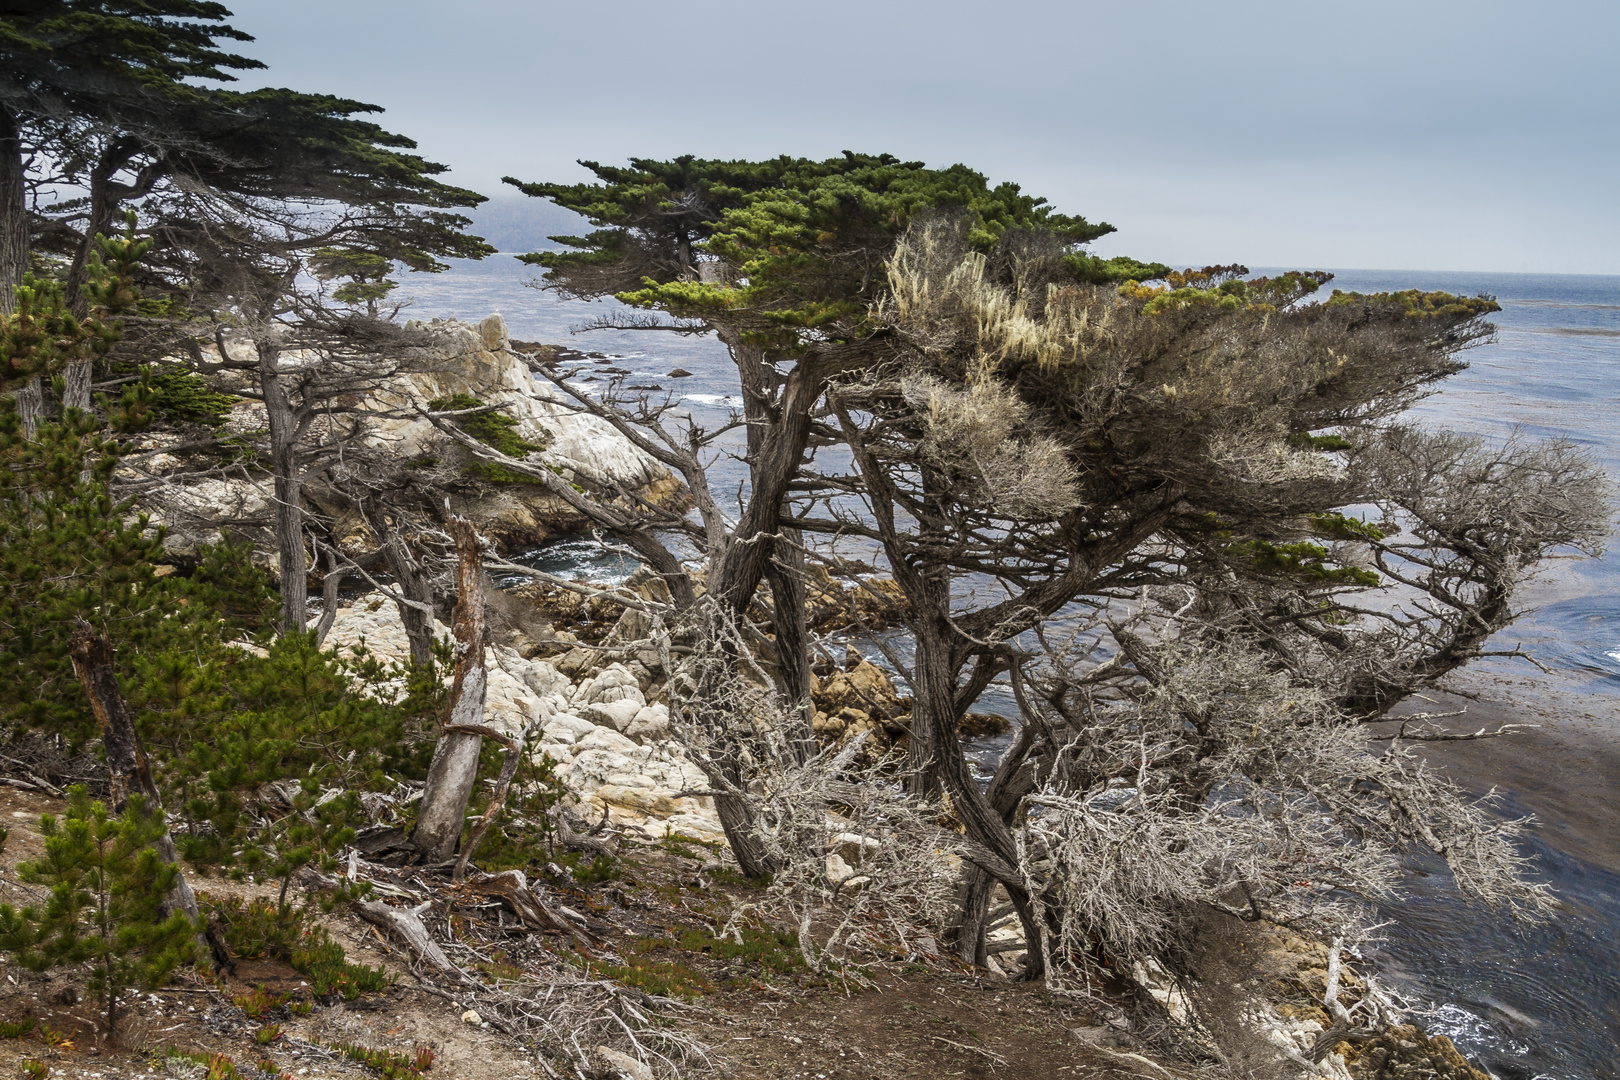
[(87, 82), (114, 95)]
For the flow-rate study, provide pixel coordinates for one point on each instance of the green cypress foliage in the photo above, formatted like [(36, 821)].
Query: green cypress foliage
[(105, 909), (804, 240)]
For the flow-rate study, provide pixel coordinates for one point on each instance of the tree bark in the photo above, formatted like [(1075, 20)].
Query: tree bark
[(105, 196), (128, 770), (31, 406), (786, 577), (454, 768), (13, 210), (413, 585), (291, 563), (76, 395), (331, 582)]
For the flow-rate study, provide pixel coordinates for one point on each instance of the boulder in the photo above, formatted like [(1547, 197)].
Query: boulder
[(650, 724), (616, 714)]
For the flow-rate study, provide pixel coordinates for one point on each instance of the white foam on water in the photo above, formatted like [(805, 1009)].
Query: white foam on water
[(729, 400)]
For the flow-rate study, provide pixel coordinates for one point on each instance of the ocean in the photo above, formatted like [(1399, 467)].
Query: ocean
[(1540, 1002)]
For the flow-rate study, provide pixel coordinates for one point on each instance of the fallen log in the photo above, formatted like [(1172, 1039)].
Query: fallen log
[(406, 925)]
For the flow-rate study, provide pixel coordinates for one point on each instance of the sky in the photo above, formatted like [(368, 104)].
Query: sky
[(1416, 136)]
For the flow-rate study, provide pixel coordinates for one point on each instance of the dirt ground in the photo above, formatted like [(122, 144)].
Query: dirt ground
[(761, 1018)]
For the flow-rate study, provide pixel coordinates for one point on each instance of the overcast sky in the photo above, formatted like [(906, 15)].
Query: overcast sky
[(1416, 135)]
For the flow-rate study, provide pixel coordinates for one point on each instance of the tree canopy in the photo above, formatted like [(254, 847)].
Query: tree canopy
[(789, 250)]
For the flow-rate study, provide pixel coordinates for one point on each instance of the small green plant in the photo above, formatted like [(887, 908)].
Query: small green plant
[(601, 868), (254, 929), (35, 1070), (105, 909), (393, 1065), (257, 1002), (498, 967), (301, 1008), (681, 845), (16, 1029), (643, 970), (219, 1066), (267, 1034), (776, 951), (330, 974)]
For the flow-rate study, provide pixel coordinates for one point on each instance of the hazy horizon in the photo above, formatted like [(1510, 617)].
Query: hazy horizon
[(1469, 137)]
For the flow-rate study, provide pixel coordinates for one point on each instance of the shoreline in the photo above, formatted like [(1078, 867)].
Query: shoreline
[(1566, 771)]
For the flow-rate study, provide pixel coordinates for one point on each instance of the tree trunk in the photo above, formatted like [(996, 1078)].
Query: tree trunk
[(331, 582), (938, 766), (454, 768), (77, 393), (786, 577), (291, 564), (31, 406), (128, 770), (104, 200), (13, 211), (413, 585)]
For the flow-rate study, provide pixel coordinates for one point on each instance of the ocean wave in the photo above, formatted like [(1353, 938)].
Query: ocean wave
[(730, 401)]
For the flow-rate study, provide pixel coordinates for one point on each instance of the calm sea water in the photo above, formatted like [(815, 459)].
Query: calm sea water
[(1538, 1003)]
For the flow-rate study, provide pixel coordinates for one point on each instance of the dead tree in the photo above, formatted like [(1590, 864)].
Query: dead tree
[(454, 768)]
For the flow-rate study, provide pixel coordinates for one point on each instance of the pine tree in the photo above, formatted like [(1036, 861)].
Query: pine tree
[(105, 908)]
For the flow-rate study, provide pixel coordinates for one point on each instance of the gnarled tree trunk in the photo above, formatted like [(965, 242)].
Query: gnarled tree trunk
[(455, 757), (413, 586)]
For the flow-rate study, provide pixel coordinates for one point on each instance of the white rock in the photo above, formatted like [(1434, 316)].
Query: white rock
[(838, 871), (628, 1067), (614, 683), (854, 848), (650, 724), (567, 728), (616, 714)]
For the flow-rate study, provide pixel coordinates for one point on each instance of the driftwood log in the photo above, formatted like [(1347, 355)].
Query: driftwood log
[(406, 925), (512, 889)]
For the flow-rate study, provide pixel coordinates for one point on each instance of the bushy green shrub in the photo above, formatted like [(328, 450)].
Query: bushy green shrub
[(105, 909)]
